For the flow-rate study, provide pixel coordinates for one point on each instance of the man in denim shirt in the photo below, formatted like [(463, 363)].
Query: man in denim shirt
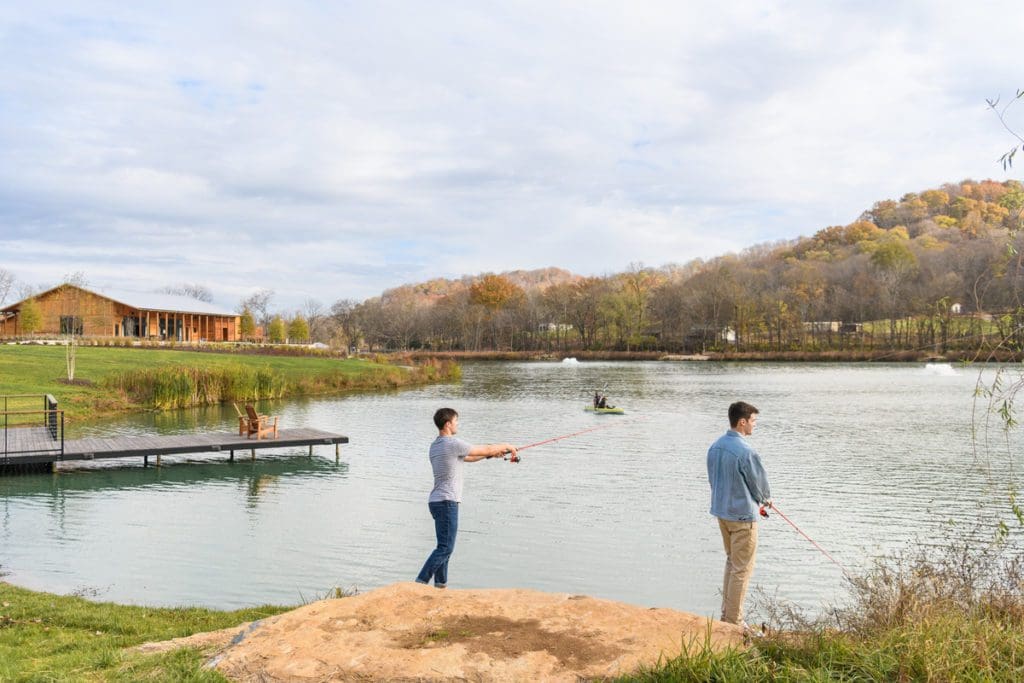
[(738, 486)]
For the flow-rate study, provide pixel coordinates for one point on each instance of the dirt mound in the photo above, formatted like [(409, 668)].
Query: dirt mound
[(408, 631)]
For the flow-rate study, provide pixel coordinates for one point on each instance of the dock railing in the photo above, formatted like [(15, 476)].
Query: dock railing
[(28, 431)]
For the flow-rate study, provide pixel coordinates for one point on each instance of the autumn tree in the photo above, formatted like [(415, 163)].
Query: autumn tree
[(495, 293)]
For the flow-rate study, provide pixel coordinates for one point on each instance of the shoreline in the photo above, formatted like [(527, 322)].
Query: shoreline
[(111, 381), (841, 356)]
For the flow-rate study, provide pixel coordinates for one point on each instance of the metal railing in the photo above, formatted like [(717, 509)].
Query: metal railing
[(30, 432)]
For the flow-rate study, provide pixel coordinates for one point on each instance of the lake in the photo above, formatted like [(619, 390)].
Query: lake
[(863, 457)]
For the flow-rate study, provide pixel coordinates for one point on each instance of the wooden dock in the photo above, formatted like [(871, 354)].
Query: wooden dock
[(36, 445)]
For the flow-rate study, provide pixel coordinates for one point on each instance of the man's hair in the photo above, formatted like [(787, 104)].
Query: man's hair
[(445, 415), (740, 411)]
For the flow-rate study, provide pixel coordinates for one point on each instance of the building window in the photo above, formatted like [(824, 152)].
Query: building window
[(71, 324)]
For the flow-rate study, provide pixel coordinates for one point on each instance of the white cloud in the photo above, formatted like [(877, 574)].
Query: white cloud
[(335, 151)]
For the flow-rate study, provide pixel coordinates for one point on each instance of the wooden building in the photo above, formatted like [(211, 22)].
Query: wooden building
[(68, 309)]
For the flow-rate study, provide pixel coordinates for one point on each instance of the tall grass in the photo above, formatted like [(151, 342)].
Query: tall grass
[(177, 386), (180, 387), (952, 610)]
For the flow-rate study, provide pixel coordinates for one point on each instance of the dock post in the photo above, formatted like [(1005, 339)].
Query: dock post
[(232, 458), (145, 461), (158, 461), (311, 450), (53, 467), (337, 452), (254, 454)]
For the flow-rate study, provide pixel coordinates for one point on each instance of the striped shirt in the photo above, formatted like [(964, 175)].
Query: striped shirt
[(447, 458)]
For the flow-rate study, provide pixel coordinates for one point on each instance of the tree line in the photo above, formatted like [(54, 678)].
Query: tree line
[(942, 268)]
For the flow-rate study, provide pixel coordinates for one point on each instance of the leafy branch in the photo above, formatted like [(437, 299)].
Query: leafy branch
[(1007, 159)]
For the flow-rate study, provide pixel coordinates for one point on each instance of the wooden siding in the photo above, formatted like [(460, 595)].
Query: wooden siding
[(99, 316)]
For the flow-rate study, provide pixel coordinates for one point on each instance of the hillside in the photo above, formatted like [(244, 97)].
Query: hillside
[(942, 268), (439, 288)]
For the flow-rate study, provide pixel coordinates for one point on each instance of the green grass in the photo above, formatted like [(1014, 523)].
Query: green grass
[(46, 637), (110, 380), (951, 612)]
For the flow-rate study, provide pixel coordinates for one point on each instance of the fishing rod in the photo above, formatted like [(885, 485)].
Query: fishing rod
[(800, 531), (515, 458)]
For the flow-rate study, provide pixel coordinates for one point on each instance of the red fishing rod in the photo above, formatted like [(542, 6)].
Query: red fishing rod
[(515, 458), (801, 532)]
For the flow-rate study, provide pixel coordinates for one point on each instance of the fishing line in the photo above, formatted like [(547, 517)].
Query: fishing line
[(582, 431), (813, 542)]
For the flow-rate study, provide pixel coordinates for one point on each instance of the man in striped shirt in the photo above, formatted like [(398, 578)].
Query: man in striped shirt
[(448, 454)]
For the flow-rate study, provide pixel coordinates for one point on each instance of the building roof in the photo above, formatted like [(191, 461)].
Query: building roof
[(148, 301)]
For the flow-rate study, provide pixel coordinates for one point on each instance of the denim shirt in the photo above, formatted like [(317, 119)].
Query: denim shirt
[(737, 477)]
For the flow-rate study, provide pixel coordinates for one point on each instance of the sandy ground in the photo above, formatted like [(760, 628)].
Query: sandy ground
[(410, 632)]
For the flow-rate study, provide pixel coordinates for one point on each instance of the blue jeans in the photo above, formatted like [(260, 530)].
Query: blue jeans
[(446, 524)]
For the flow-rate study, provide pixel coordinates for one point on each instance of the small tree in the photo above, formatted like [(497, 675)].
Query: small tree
[(30, 317), (247, 325), (276, 330), (298, 329), (72, 324)]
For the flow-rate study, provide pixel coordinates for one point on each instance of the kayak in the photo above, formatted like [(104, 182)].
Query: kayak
[(604, 411)]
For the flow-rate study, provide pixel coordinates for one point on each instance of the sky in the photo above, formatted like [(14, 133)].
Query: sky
[(332, 150)]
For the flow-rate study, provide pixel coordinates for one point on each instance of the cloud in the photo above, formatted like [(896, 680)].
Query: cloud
[(335, 151)]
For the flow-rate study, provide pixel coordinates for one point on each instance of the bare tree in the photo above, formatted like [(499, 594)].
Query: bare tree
[(259, 304), (193, 290), (313, 311), (6, 283), (345, 320)]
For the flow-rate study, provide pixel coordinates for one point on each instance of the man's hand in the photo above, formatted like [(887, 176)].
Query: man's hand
[(511, 452)]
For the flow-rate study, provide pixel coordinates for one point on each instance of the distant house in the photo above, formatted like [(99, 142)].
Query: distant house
[(822, 326), (700, 335), (956, 309), (109, 313), (851, 328)]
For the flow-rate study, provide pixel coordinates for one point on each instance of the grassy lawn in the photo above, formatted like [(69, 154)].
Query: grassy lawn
[(46, 637), (114, 379)]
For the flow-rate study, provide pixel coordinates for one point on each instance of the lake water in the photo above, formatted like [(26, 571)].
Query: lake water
[(864, 458)]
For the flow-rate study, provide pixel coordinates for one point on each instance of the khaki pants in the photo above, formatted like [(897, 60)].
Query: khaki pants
[(740, 541)]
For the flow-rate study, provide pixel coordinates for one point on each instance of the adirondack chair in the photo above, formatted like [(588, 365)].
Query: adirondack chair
[(259, 424), (243, 420)]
